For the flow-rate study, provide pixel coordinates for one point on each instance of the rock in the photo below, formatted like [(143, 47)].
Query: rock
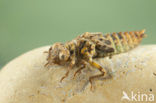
[(26, 80)]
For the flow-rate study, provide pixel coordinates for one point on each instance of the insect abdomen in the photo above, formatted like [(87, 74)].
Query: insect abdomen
[(124, 41)]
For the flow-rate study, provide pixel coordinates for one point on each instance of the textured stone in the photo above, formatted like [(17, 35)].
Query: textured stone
[(26, 80)]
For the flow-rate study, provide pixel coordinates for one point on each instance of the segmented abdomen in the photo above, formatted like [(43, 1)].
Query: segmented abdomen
[(124, 41)]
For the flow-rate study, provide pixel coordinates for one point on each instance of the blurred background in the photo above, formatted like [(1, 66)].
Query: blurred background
[(29, 24)]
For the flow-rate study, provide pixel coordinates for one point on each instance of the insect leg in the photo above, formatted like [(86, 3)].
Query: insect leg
[(65, 75), (79, 70), (46, 64), (70, 66), (100, 68), (94, 64)]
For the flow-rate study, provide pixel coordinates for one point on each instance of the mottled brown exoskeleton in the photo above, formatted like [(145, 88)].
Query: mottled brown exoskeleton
[(83, 49)]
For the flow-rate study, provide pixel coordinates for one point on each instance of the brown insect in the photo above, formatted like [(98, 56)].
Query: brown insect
[(83, 49)]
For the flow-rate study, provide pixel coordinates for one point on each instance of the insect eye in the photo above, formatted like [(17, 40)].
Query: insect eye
[(61, 56)]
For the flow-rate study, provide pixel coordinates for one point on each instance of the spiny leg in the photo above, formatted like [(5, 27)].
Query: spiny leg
[(49, 63), (100, 68), (70, 67), (81, 68), (88, 54), (85, 52), (66, 75)]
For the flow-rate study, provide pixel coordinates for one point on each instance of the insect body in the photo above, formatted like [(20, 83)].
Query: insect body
[(83, 49)]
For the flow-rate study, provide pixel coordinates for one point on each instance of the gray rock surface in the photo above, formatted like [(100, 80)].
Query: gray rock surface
[(26, 80)]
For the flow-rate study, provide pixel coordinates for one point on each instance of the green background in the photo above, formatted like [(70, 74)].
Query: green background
[(29, 24)]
